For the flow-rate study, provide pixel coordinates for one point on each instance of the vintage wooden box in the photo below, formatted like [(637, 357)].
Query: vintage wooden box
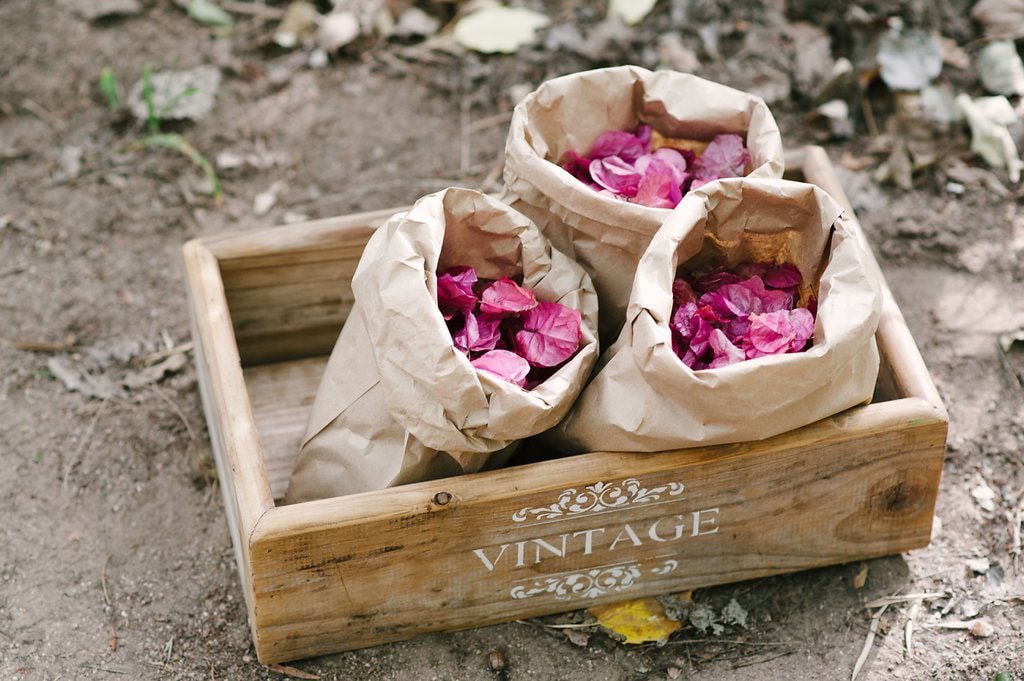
[(540, 538)]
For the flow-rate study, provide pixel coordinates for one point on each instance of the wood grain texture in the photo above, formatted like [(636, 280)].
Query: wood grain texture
[(349, 572)]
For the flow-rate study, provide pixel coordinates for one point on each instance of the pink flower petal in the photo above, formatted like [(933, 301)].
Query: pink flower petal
[(803, 325), (550, 334), (620, 143), (455, 290), (577, 166), (725, 156), (657, 190), (716, 278), (775, 333), (505, 297), (616, 175), (725, 352), (479, 334), (784, 276), (682, 292), (503, 364)]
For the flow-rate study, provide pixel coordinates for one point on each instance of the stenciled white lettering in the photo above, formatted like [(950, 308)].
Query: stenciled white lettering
[(632, 535), (697, 522), (486, 561), (652, 532)]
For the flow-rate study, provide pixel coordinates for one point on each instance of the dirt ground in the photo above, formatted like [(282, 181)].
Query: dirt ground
[(115, 560)]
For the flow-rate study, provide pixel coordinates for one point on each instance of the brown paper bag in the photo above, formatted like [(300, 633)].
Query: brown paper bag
[(398, 403), (604, 234), (644, 399)]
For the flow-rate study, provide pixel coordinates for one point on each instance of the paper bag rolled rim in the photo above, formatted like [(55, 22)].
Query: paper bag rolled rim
[(675, 104), (840, 334), (431, 388)]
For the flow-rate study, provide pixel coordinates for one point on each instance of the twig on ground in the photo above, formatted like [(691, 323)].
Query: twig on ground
[(292, 672), (38, 346), (908, 628), (161, 355), (1015, 547), (103, 669), (580, 625), (465, 139), (81, 447), (490, 122), (40, 112), (252, 9), (103, 581), (491, 179), (872, 630), (906, 598), (869, 117), (112, 638), (363, 190)]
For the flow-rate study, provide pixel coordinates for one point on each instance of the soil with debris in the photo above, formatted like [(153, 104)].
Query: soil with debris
[(115, 560)]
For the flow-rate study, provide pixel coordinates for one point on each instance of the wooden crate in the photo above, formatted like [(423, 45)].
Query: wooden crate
[(558, 535)]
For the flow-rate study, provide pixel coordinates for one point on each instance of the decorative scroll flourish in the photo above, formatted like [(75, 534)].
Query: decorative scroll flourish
[(589, 584), (601, 496), (668, 566)]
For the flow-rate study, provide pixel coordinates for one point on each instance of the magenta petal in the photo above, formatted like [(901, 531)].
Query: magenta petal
[(772, 332), (505, 297), (725, 156), (673, 160), (479, 334), (725, 352), (615, 175), (505, 365), (455, 290), (782, 276), (680, 322), (550, 334), (717, 278), (619, 143), (655, 190), (577, 166), (803, 328), (682, 292)]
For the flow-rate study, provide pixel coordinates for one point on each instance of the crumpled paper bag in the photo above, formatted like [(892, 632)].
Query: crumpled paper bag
[(398, 403), (604, 234), (644, 399)]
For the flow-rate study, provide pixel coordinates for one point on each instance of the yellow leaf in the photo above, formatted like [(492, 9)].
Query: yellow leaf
[(862, 577), (637, 621)]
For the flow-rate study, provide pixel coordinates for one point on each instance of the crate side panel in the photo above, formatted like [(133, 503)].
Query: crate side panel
[(282, 396), (693, 521)]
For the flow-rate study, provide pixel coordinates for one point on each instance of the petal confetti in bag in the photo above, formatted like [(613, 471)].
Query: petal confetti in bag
[(643, 398), (567, 115), (399, 402)]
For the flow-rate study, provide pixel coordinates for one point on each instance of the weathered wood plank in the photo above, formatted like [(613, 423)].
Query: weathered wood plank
[(357, 571)]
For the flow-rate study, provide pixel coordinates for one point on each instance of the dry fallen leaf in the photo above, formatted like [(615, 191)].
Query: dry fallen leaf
[(638, 621), (337, 29), (631, 11), (1001, 68), (499, 29), (862, 577), (981, 629), (299, 23), (1002, 19), (909, 60), (990, 137)]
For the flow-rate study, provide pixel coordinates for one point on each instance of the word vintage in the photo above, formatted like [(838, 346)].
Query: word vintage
[(613, 551)]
